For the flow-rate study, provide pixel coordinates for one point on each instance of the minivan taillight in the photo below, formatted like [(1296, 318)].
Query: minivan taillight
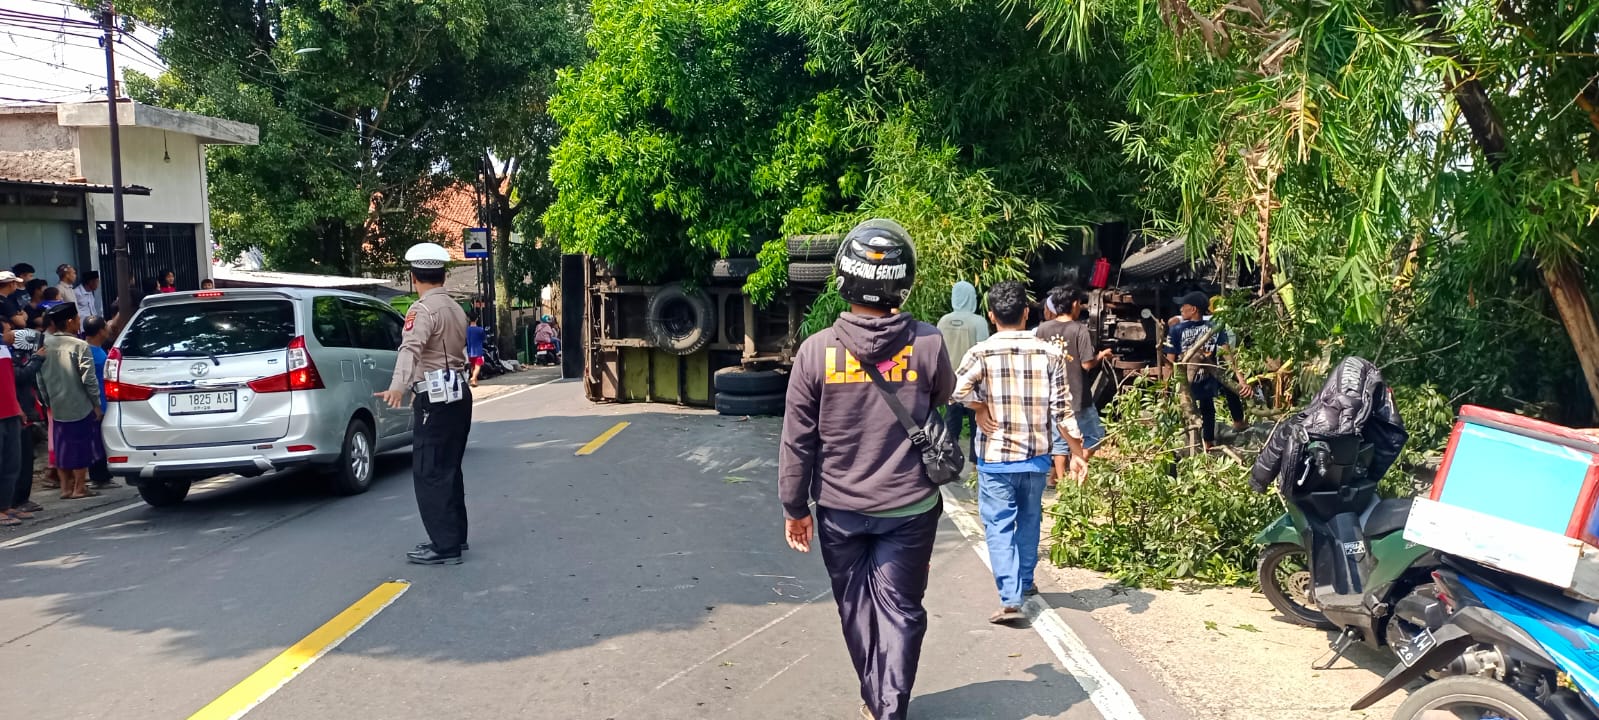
[(115, 389), (302, 374)]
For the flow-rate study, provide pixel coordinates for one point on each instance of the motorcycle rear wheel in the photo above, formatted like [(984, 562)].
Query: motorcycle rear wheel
[(1284, 574), (1470, 697)]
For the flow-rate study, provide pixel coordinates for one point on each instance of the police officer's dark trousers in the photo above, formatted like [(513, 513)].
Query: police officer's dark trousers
[(879, 570), (437, 448)]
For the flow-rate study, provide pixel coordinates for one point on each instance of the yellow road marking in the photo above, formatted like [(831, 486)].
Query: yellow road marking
[(604, 437), (254, 690)]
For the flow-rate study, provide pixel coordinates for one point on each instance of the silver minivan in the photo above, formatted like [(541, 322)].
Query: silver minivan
[(252, 381)]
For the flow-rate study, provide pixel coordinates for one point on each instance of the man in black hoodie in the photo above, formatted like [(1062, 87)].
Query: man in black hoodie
[(876, 510)]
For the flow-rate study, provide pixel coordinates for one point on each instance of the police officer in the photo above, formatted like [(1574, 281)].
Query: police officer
[(432, 365)]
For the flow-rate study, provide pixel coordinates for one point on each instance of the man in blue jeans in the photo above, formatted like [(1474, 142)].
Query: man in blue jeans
[(1016, 383)]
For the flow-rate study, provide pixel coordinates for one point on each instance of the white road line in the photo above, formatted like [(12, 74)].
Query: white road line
[(1107, 695), (97, 516), (786, 668), (768, 626), (14, 542), (66, 526), (502, 396)]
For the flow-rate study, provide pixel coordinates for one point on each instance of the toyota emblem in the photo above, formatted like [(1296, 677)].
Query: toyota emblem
[(199, 369)]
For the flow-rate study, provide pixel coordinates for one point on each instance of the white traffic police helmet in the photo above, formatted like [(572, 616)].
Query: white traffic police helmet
[(427, 256)]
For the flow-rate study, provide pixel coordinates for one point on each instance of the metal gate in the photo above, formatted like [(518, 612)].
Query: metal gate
[(152, 247)]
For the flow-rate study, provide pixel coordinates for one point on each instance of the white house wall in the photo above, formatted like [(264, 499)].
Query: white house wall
[(178, 192)]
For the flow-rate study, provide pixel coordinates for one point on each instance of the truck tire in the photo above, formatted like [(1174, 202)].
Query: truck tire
[(680, 321), (1157, 258), (814, 247), (163, 493), (740, 381), (768, 404), (809, 273)]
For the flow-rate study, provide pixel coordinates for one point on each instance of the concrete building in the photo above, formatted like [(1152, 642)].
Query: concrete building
[(55, 201)]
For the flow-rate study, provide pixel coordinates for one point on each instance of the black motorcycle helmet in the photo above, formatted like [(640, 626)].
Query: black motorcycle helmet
[(876, 265)]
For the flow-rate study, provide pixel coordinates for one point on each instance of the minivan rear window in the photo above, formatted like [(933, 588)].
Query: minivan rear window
[(201, 329)]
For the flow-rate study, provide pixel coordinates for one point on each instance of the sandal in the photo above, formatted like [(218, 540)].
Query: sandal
[(8, 521), (19, 514), (1006, 616), (32, 507)]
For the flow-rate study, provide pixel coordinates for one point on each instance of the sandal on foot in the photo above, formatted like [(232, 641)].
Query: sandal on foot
[(1006, 616), (32, 507), (19, 514)]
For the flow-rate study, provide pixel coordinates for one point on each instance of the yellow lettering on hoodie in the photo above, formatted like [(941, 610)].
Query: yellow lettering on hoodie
[(853, 374)]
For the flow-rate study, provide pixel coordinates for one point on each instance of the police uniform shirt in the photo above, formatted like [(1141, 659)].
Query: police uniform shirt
[(435, 337)]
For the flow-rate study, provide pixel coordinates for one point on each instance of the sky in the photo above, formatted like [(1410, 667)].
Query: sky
[(58, 65)]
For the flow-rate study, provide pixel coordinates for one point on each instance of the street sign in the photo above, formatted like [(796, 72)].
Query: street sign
[(476, 243)]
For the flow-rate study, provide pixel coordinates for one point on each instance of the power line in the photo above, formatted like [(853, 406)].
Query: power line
[(36, 84), (52, 32), (51, 64), (137, 50), (263, 81), (20, 16)]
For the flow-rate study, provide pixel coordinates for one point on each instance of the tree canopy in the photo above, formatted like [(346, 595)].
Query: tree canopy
[(715, 127), (365, 110)]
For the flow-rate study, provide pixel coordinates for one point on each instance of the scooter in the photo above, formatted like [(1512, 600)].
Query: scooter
[(1502, 647), (544, 354), (1337, 559)]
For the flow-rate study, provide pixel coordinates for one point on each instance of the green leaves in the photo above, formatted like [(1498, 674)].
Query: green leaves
[(365, 109), (1153, 511), (712, 127)]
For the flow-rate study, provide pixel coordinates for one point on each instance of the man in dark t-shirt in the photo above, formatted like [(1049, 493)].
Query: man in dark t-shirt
[(1202, 368), (1063, 307)]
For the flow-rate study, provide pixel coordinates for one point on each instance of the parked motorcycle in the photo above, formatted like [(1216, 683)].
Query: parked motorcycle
[(1503, 647), (1337, 559)]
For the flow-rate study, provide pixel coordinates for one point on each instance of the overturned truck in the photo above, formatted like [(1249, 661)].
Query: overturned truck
[(707, 344), (702, 344)]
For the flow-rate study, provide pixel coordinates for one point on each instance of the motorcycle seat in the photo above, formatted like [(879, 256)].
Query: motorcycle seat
[(1388, 516)]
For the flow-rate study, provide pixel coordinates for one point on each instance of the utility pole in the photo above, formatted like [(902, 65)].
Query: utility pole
[(124, 287)]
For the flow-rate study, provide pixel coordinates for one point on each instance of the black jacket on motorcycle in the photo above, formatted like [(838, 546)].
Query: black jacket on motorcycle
[(1354, 402)]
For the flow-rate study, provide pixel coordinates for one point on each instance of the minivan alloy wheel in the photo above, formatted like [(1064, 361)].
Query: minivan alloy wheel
[(361, 458), (352, 473)]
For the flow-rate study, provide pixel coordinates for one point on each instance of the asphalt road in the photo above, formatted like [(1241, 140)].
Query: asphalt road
[(645, 580)]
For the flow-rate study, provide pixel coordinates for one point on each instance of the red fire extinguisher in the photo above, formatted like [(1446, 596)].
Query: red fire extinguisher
[(1101, 275)]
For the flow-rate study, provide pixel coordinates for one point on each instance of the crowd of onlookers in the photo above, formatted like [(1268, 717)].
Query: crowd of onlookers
[(53, 353), (1027, 389)]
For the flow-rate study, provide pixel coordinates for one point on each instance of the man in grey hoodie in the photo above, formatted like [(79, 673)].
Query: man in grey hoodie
[(876, 510), (963, 329)]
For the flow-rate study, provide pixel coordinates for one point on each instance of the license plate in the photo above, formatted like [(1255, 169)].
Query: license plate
[(200, 403), (1410, 651)]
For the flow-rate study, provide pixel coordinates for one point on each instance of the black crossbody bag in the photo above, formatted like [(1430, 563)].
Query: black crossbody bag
[(941, 453)]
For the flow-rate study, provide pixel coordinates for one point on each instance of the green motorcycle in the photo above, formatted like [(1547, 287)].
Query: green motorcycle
[(1338, 559)]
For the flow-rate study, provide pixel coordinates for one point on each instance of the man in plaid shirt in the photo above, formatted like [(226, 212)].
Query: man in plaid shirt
[(1017, 385)]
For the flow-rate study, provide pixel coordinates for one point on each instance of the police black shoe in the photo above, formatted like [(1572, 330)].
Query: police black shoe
[(429, 556), (424, 546)]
